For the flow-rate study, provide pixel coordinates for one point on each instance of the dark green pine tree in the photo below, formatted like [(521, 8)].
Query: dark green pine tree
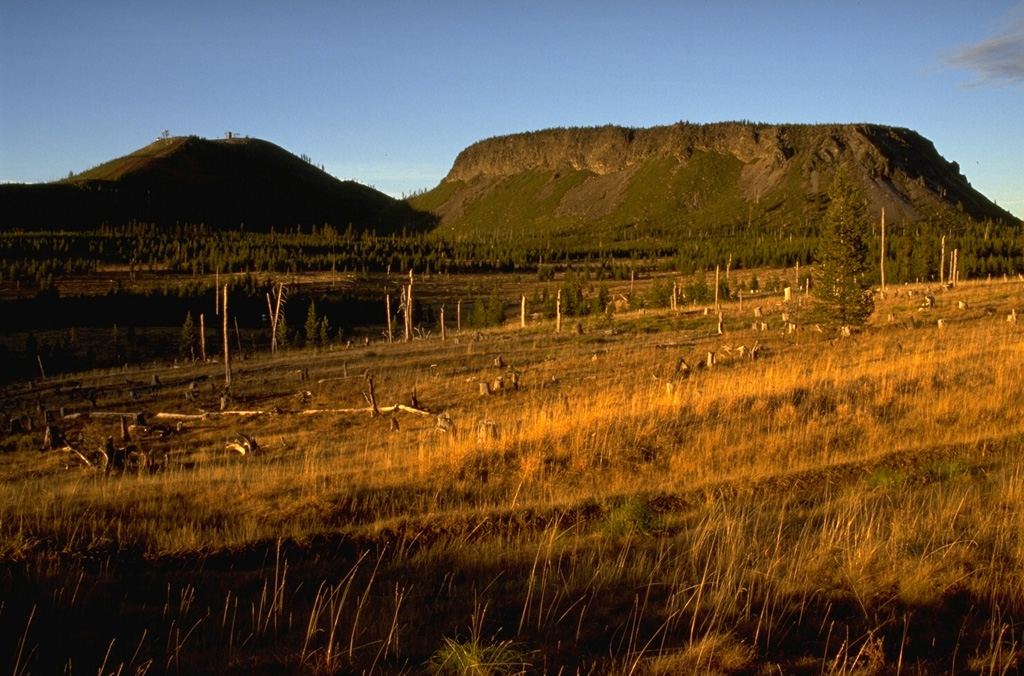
[(842, 289), (187, 339), (312, 325)]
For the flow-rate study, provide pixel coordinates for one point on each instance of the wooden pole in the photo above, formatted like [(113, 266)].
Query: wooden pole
[(442, 323), (409, 318), (717, 306), (387, 309), (522, 313), (227, 342), (881, 263), (942, 262), (458, 316), (408, 313), (202, 338), (558, 312)]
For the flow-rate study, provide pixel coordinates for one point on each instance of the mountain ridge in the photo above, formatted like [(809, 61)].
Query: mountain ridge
[(223, 183)]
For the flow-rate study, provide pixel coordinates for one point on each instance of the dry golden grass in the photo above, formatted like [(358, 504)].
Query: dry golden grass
[(838, 505)]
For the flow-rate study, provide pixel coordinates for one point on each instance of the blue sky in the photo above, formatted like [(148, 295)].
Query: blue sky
[(388, 93)]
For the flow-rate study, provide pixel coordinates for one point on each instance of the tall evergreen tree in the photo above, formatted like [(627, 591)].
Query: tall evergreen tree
[(187, 338), (282, 331), (324, 331), (312, 325), (842, 289)]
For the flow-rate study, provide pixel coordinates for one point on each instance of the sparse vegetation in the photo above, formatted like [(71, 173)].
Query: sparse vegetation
[(831, 506)]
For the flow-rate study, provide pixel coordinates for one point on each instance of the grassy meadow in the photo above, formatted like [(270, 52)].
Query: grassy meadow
[(615, 505)]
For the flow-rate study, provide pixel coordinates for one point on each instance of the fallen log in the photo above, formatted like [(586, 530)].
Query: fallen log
[(367, 409), (180, 416), (308, 411), (106, 414)]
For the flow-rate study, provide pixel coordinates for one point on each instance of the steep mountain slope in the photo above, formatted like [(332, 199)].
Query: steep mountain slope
[(610, 180), (226, 183)]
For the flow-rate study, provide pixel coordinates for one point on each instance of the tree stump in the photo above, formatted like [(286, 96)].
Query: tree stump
[(243, 444), (444, 425), (53, 438), (485, 389), (487, 431)]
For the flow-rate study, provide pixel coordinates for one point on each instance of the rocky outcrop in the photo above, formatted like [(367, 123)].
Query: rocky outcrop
[(788, 166)]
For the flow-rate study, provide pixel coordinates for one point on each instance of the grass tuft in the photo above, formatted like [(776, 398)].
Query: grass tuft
[(473, 657)]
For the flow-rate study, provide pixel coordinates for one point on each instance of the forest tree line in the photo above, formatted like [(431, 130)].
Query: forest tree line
[(32, 259)]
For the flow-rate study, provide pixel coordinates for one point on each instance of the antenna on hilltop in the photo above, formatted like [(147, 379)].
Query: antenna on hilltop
[(165, 134)]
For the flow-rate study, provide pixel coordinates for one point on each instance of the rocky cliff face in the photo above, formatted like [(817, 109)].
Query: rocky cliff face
[(609, 149), (593, 173)]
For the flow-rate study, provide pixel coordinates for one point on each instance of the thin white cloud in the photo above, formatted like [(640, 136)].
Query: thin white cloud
[(998, 61)]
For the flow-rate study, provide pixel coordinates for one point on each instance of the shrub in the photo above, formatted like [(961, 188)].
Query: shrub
[(886, 478), (946, 470), (631, 516)]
